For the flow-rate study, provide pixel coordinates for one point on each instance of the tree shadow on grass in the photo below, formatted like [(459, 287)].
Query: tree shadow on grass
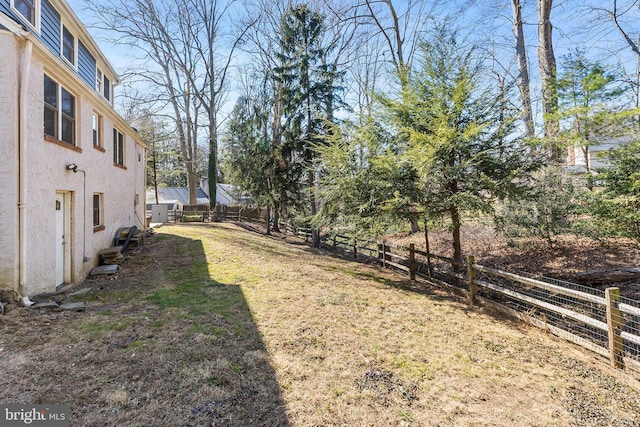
[(236, 383), (186, 351)]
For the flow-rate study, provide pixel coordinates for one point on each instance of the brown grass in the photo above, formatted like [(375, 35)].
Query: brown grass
[(214, 325)]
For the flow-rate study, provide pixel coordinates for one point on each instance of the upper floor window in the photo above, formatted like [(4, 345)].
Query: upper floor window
[(98, 80), (28, 9), (103, 84), (118, 147), (68, 45), (59, 112), (106, 88), (97, 129), (50, 107)]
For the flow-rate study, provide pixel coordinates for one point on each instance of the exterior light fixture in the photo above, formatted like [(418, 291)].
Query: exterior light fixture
[(72, 167)]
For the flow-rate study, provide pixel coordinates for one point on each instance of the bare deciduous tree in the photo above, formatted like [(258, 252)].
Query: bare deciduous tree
[(547, 67), (523, 71), (187, 57)]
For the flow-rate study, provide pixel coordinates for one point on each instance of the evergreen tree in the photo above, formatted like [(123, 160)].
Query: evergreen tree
[(365, 189), (308, 95), (588, 97), (250, 158), (459, 137), (616, 206)]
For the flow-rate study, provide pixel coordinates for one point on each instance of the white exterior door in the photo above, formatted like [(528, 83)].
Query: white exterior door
[(60, 239)]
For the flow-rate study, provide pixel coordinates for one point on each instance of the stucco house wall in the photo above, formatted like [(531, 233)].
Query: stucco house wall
[(120, 187), (9, 68)]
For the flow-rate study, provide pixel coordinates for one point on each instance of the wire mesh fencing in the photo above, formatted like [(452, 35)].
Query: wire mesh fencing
[(598, 320), (630, 320)]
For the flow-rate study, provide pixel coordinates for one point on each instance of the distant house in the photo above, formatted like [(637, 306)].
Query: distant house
[(226, 194), (595, 157), (72, 170), (175, 198)]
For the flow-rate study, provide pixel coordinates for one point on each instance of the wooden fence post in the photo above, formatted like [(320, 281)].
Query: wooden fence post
[(412, 261), (471, 275), (383, 252), (334, 243), (614, 321), (355, 248)]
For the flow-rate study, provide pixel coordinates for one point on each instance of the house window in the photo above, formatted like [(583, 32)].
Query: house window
[(59, 112), (103, 84), (68, 116), (106, 88), (50, 107), (28, 9), (68, 45), (118, 148), (97, 130), (99, 78), (97, 210)]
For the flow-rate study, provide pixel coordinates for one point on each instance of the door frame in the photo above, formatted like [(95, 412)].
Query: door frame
[(68, 237)]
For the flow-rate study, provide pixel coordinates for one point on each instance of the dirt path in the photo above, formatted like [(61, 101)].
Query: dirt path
[(213, 325)]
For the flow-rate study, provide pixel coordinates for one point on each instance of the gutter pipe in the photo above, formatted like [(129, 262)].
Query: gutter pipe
[(22, 155)]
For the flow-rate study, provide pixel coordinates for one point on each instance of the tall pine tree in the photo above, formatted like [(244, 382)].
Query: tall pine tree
[(308, 95)]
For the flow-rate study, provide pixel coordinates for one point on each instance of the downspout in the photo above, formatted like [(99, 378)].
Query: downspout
[(22, 180)]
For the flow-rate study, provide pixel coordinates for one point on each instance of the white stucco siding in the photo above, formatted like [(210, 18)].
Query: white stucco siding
[(118, 188), (47, 176), (96, 174), (9, 66)]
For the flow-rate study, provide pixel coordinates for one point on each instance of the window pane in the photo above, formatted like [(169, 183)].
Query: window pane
[(68, 130), (96, 130), (68, 45), (115, 146), (68, 103), (98, 80), (120, 149), (49, 122), (50, 92), (26, 9), (96, 210), (107, 88)]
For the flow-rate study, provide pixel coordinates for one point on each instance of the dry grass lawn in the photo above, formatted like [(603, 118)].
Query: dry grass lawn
[(212, 325)]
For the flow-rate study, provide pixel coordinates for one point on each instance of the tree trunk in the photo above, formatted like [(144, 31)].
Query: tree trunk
[(547, 67), (268, 219), (414, 224), (523, 71), (315, 235), (427, 246), (212, 170), (276, 218), (457, 244)]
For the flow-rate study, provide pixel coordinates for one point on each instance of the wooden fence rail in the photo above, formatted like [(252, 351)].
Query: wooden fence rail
[(616, 345)]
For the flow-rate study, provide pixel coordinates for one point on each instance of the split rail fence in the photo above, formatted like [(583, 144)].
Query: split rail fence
[(599, 320)]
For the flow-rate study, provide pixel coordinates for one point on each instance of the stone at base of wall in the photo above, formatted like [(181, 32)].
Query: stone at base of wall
[(9, 296)]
